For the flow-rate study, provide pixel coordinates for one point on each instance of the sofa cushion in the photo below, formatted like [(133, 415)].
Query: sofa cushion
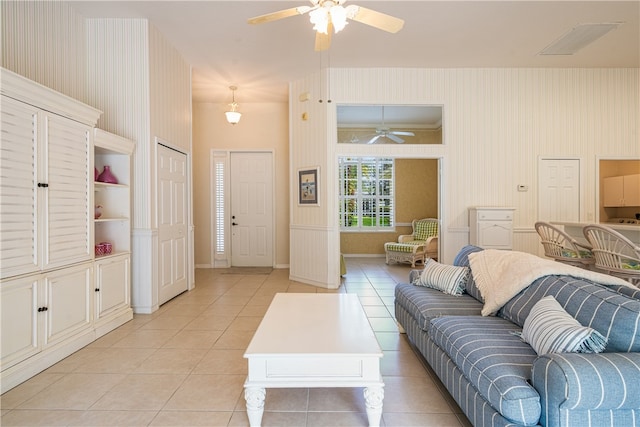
[(423, 304), (550, 329), (494, 360), (449, 279), (613, 314), (462, 260)]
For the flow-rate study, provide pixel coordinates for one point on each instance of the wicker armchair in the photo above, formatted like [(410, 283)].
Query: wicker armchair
[(561, 247), (423, 242), (615, 254)]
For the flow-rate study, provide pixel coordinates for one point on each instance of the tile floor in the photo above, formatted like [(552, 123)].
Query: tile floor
[(183, 365)]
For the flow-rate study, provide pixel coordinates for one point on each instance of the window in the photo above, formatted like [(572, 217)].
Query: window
[(366, 193)]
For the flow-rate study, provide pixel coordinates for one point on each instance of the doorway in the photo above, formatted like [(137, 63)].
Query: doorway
[(172, 223), (251, 209)]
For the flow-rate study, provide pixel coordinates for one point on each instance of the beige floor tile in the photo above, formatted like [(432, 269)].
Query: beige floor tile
[(73, 391), (342, 419), (192, 418), (34, 418), (336, 399), (193, 339), (230, 340), (211, 322), (401, 364), (148, 338), (393, 341), (379, 324), (245, 323), (375, 300), (207, 393), (114, 418), (284, 400), (166, 321), (171, 361), (376, 311), (140, 392), (222, 362), (413, 394), (111, 338), (397, 419), (254, 310), (115, 360), (220, 309), (14, 397)]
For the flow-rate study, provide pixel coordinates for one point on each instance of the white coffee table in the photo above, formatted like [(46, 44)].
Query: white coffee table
[(314, 340)]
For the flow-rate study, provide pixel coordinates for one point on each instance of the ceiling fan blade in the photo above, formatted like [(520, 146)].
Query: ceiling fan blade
[(403, 133), (375, 19), (394, 138), (323, 41), (274, 16), (374, 139)]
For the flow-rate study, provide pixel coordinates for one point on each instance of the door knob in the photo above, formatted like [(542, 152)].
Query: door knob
[(234, 223)]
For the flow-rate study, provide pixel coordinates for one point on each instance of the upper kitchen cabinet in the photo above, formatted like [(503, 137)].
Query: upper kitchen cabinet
[(621, 191)]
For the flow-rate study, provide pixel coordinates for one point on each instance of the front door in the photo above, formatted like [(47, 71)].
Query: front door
[(251, 209), (172, 223)]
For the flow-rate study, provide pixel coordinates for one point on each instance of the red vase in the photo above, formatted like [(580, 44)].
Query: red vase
[(107, 177)]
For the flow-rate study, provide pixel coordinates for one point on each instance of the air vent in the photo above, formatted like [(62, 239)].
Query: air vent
[(579, 37)]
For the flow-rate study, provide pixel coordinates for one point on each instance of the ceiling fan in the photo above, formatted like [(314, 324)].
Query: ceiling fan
[(385, 132), (328, 15)]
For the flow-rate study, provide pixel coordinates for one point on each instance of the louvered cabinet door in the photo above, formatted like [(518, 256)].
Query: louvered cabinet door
[(68, 225), (18, 189)]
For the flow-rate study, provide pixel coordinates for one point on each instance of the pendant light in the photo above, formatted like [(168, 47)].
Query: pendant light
[(233, 116)]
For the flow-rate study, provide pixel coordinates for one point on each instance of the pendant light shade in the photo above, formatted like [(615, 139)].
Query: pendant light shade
[(233, 116)]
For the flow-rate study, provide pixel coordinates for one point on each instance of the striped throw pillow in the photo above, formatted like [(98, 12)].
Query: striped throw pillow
[(449, 279), (550, 329)]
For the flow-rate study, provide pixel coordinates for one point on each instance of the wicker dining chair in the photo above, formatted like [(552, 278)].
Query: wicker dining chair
[(615, 254), (561, 247)]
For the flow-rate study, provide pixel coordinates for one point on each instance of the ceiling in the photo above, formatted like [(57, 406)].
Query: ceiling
[(214, 37)]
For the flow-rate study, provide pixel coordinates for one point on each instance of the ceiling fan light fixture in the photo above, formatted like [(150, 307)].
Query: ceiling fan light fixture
[(328, 13), (233, 116)]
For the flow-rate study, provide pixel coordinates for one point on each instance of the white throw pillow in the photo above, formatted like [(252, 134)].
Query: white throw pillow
[(550, 329), (449, 279)]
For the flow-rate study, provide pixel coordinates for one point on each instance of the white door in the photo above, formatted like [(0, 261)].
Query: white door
[(559, 190), (172, 223), (251, 210)]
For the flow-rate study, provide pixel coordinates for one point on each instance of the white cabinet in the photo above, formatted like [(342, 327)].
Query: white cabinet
[(46, 227), (44, 214), (491, 227), (42, 311), (620, 191), (113, 201)]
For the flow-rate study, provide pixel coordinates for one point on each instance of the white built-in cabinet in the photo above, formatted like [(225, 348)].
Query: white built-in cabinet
[(47, 269), (620, 191), (491, 227), (113, 271)]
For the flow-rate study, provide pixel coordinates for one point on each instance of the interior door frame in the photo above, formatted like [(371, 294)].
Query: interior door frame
[(189, 197), (223, 260)]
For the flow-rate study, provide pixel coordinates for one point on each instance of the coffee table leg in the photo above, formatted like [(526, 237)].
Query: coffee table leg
[(373, 398), (255, 404)]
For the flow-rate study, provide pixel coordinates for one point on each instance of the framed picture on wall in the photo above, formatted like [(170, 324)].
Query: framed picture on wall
[(308, 186)]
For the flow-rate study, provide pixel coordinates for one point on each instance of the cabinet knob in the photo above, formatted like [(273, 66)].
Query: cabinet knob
[(40, 309), (97, 289), (43, 184)]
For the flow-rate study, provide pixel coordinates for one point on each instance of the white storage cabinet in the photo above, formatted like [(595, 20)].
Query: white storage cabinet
[(491, 227), (113, 271), (46, 227)]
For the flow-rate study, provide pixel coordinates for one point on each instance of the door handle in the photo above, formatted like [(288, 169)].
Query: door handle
[(234, 223)]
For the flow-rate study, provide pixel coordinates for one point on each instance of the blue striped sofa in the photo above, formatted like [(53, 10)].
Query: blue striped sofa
[(499, 380)]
